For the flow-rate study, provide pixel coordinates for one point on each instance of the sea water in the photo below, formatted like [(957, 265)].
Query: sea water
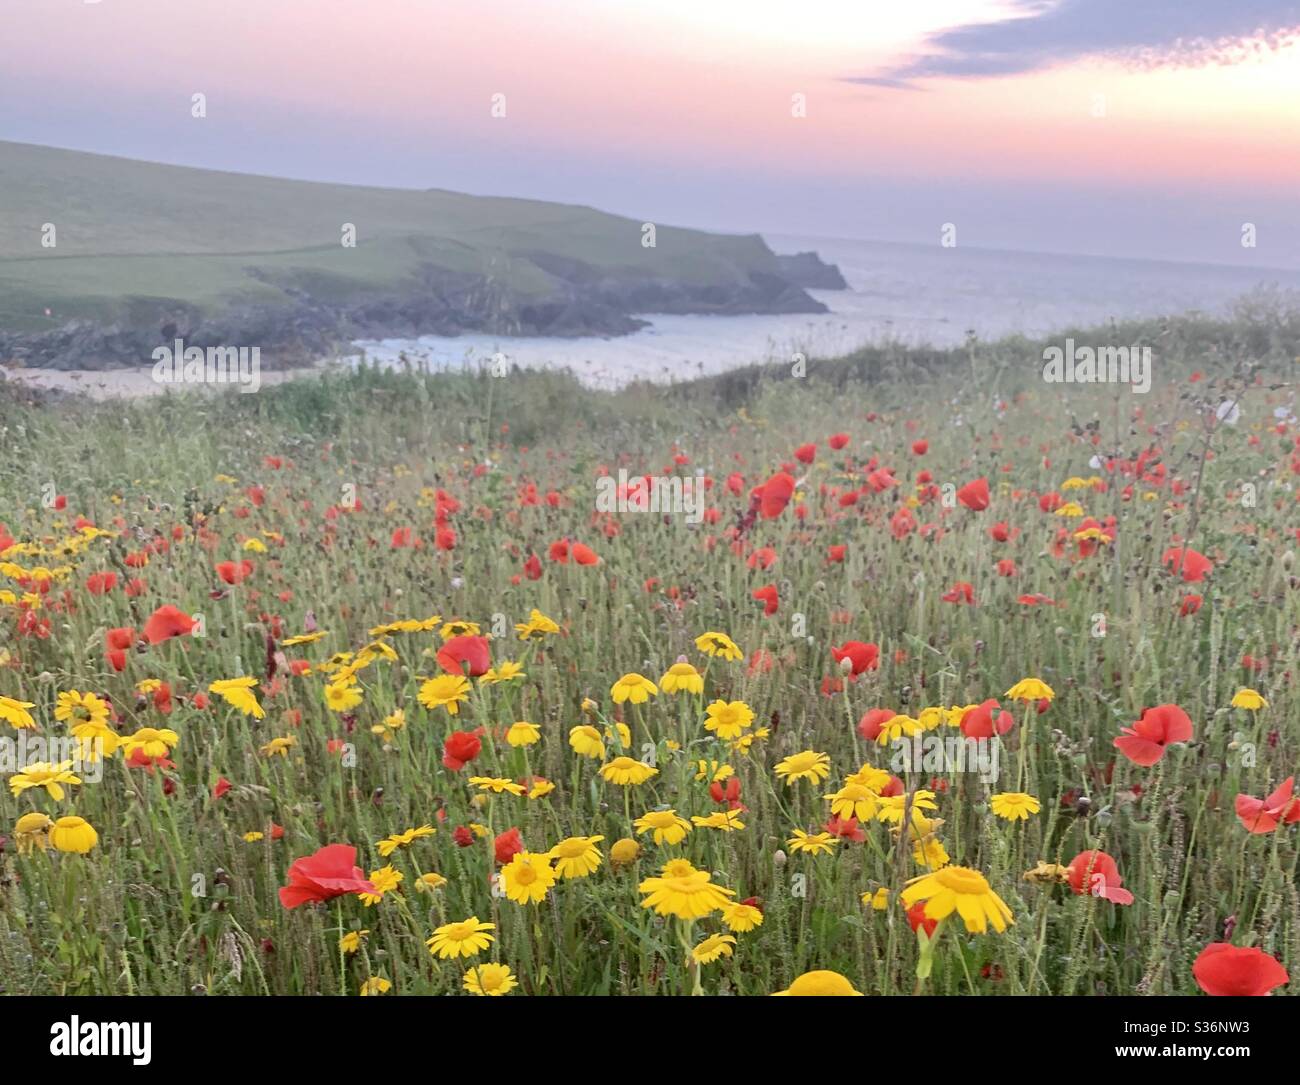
[(910, 294)]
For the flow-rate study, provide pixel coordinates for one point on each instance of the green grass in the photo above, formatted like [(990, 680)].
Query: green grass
[(125, 919)]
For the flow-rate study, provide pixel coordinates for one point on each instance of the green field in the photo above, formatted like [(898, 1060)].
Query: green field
[(204, 805)]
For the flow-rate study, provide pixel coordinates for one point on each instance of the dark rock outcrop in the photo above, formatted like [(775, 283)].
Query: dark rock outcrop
[(808, 271), (317, 316)]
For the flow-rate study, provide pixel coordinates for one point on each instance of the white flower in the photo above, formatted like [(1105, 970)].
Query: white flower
[(1228, 413)]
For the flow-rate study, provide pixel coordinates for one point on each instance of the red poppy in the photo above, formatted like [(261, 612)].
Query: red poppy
[(975, 495), (559, 552), (775, 494), (462, 836), (920, 448), (902, 523), (1224, 969), (916, 917), (832, 686), (461, 652), (1144, 743), (221, 787), (961, 592), (806, 453), (162, 698), (882, 480), (768, 597), (1194, 567), (838, 440), (117, 643), (871, 723), (984, 720), (845, 829), (1097, 873), (101, 583), (1265, 815), (141, 760), (329, 873), (836, 553), (861, 656), (584, 555), (232, 572), (1191, 604), (533, 567), (460, 749), (509, 844), (728, 792), (167, 622)]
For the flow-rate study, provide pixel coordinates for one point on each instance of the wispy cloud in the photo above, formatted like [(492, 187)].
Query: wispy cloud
[(1040, 34)]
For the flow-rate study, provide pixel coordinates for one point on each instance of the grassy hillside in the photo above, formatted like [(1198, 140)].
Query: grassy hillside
[(139, 239)]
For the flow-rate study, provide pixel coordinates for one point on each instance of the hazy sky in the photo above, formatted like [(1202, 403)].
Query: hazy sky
[(1149, 128)]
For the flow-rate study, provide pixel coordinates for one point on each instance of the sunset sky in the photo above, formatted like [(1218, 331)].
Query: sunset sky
[(1118, 127)]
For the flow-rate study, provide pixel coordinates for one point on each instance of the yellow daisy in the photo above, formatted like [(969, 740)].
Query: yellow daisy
[(728, 719), (633, 687), (807, 765), (713, 948), (523, 733), (719, 645), (681, 677), (1030, 691), (812, 843), (43, 774), (577, 856), (959, 889), (1014, 805), (444, 691), (667, 827), (489, 979), (528, 877), (683, 891), (467, 938), (627, 771)]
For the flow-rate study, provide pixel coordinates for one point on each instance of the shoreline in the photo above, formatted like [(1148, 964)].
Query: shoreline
[(134, 382)]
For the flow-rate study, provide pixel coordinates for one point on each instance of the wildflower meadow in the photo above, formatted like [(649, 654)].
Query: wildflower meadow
[(956, 681)]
